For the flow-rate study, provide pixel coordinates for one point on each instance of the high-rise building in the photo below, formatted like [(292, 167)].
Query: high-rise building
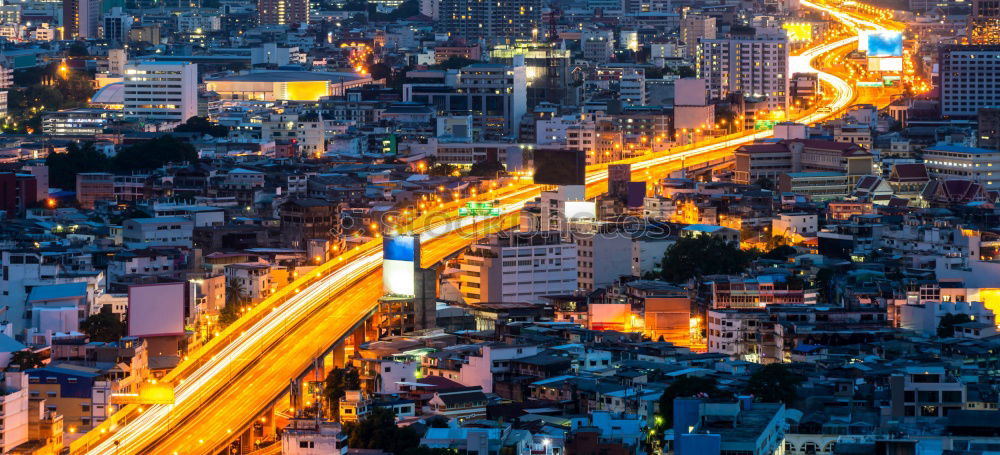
[(695, 27), (166, 92), (632, 87), (498, 22), (755, 65), (283, 12), (116, 25), (519, 267), (970, 79), (80, 18)]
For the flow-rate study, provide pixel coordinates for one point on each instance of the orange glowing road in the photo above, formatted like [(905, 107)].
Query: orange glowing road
[(223, 386)]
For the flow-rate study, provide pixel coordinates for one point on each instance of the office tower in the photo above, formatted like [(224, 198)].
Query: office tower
[(80, 18), (165, 92), (117, 25), (693, 28), (283, 12), (543, 265), (431, 8), (632, 87), (970, 79), (501, 22), (496, 94), (755, 65)]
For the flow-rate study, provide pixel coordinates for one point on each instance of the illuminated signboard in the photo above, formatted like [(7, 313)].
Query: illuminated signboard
[(581, 210), (797, 32), (885, 44), (479, 209), (870, 84), (400, 259), (894, 64), (764, 124)]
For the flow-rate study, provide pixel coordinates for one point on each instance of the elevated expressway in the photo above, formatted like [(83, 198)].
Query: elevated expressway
[(223, 386)]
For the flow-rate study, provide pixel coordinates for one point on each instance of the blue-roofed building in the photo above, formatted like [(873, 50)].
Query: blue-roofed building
[(79, 393), (58, 307), (159, 231), (959, 162)]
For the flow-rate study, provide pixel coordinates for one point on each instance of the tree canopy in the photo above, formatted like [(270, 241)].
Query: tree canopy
[(454, 63), (773, 383), (683, 387), (104, 326), (63, 167), (202, 125), (378, 430), (703, 255), (153, 154), (25, 360), (487, 168), (946, 327), (337, 383)]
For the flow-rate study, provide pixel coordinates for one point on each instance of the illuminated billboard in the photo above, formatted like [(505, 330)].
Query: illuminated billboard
[(157, 309), (884, 44), (576, 210), (885, 64), (798, 32), (400, 259)]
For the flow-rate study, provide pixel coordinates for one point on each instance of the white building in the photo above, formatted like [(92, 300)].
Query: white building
[(632, 88), (519, 267), (925, 318), (600, 255), (166, 92), (754, 65), (312, 437), (253, 279), (163, 231), (14, 409), (960, 162), (648, 251), (795, 224)]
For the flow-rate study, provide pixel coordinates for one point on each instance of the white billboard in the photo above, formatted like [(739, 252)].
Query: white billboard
[(400, 259), (157, 309), (893, 64), (576, 210)]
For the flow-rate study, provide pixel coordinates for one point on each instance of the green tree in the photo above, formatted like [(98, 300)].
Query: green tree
[(337, 383), (780, 253), (234, 303), (378, 430), (442, 169), (104, 326), (487, 168), (946, 327), (774, 382), (703, 255), (63, 167), (25, 360), (684, 387), (380, 71), (202, 125), (154, 154), (454, 63), (765, 183)]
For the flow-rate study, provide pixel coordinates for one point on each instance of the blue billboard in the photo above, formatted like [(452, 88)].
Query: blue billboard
[(885, 44), (399, 248)]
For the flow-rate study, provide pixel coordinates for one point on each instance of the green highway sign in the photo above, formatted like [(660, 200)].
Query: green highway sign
[(479, 209)]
